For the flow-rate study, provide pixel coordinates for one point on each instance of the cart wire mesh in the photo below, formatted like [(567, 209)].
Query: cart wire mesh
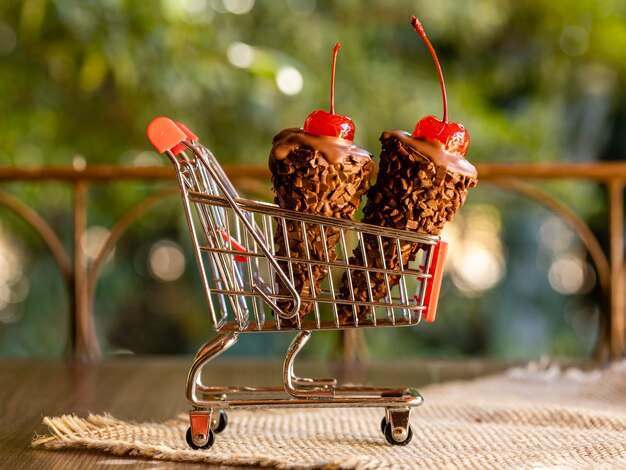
[(234, 240)]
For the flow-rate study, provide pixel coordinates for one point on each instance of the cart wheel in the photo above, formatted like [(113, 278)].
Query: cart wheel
[(219, 424), (383, 424), (391, 440), (193, 445)]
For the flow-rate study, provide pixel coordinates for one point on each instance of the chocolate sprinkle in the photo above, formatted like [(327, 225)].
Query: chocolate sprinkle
[(411, 193), (317, 175)]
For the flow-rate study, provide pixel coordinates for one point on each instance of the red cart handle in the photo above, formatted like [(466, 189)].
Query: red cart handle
[(433, 286), (164, 134), (191, 137)]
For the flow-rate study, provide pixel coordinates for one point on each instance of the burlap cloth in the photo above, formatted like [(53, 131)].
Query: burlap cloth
[(535, 417)]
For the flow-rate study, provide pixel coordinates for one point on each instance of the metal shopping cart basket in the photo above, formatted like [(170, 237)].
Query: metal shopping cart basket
[(233, 240)]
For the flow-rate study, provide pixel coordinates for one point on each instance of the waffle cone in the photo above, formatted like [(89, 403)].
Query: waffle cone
[(411, 193), (306, 180)]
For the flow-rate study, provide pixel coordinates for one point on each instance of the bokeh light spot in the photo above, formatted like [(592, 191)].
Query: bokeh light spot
[(301, 7), (93, 241), (14, 287), (238, 7), (8, 39), (147, 158), (194, 7), (571, 275), (166, 261), (79, 163), (480, 270), (289, 81), (476, 257), (240, 55), (555, 235), (574, 40)]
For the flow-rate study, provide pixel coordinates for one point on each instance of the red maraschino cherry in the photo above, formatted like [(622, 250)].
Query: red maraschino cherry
[(452, 135), (330, 124)]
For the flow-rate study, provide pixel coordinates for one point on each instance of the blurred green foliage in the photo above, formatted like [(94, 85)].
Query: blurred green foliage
[(539, 80), (85, 77)]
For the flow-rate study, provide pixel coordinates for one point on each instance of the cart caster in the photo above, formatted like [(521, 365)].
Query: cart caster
[(200, 441), (395, 426), (397, 437), (219, 423)]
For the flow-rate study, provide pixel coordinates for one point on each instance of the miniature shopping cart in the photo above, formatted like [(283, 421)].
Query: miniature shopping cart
[(241, 273)]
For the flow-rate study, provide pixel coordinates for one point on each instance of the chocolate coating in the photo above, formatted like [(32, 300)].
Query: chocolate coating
[(419, 187), (319, 175), (434, 151), (334, 149)]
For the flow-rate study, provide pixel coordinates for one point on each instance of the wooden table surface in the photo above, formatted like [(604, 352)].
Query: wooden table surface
[(152, 388)]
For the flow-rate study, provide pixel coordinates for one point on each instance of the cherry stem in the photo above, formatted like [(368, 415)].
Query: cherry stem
[(418, 27), (332, 79)]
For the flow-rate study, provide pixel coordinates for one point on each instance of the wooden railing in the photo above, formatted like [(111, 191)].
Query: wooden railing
[(81, 277)]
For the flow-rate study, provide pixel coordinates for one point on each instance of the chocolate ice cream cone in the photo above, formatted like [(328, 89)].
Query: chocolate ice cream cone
[(419, 188), (319, 175)]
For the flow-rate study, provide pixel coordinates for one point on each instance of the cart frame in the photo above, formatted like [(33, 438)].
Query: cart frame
[(240, 272)]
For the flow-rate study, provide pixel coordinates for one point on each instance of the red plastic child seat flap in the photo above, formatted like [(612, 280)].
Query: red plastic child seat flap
[(236, 246), (431, 297)]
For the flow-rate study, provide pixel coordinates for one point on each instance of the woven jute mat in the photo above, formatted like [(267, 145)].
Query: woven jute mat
[(534, 417)]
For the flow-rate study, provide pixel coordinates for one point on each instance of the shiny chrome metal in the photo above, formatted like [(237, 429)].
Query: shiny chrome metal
[(399, 419), (265, 208), (302, 388), (210, 350), (233, 240), (208, 162), (245, 292)]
